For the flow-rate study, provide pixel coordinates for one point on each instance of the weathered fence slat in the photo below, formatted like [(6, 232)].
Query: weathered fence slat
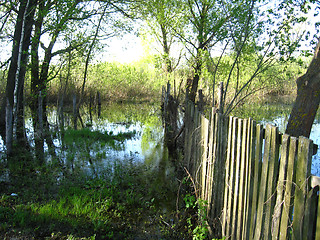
[(256, 187), (226, 212), (305, 149), (309, 214), (272, 177), (242, 175), (233, 128), (251, 137), (219, 170), (287, 201), (215, 167), (263, 184), (204, 134), (256, 178), (188, 134), (281, 186), (212, 136), (236, 180)]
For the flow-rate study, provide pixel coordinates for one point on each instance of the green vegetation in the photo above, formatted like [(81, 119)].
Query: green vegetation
[(142, 81), (125, 200), (114, 81), (107, 207), (54, 47)]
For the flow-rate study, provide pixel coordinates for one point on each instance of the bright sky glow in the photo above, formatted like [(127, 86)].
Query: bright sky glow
[(124, 50)]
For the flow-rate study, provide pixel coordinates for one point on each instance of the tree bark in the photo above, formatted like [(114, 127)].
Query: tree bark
[(19, 116), (16, 74), (196, 77), (166, 49), (307, 101)]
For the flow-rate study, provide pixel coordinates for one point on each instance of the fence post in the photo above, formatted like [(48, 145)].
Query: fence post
[(75, 115), (220, 103)]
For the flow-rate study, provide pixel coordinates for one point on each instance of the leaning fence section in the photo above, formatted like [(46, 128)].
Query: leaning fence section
[(255, 181)]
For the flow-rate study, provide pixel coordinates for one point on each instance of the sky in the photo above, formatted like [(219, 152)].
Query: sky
[(127, 49)]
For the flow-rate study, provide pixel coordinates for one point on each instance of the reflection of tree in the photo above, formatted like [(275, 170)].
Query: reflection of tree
[(127, 113), (151, 139), (263, 112)]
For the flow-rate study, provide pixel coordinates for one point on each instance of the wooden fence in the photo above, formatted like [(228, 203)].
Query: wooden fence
[(255, 181)]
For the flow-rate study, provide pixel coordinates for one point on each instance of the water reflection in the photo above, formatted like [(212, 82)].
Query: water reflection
[(143, 119), (278, 115)]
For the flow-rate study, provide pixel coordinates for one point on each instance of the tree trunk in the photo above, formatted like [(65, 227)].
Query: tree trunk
[(307, 101), (19, 116), (17, 70), (166, 49), (196, 78)]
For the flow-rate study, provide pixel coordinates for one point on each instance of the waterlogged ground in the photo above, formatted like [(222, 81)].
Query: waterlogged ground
[(111, 180)]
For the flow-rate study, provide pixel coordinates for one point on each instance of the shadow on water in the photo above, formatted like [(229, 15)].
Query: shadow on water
[(278, 114), (122, 148), (143, 147)]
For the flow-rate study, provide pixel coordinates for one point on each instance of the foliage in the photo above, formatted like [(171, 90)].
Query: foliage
[(89, 136), (162, 18), (197, 220), (114, 81), (278, 78)]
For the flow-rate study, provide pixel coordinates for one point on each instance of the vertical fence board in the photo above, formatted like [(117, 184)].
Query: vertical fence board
[(281, 185), (232, 172), (188, 134), (215, 168), (196, 143), (219, 172), (249, 177), (226, 207), (309, 215), (288, 194), (204, 155), (236, 180), (263, 184), (256, 178), (212, 136), (301, 185), (242, 174), (272, 177)]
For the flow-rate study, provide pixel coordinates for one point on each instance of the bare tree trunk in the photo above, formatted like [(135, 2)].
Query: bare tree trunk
[(19, 115), (166, 49), (17, 69), (195, 79), (307, 100)]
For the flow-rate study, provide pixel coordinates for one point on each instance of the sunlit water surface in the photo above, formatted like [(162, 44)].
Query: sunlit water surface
[(146, 146), (278, 114)]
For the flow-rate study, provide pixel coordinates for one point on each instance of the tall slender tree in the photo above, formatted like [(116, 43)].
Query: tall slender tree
[(13, 101)]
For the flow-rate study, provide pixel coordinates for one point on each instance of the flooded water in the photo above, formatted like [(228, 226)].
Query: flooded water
[(146, 147), (142, 119), (278, 114)]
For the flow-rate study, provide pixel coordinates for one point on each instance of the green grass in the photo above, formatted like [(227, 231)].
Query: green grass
[(108, 207), (124, 201), (88, 136)]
